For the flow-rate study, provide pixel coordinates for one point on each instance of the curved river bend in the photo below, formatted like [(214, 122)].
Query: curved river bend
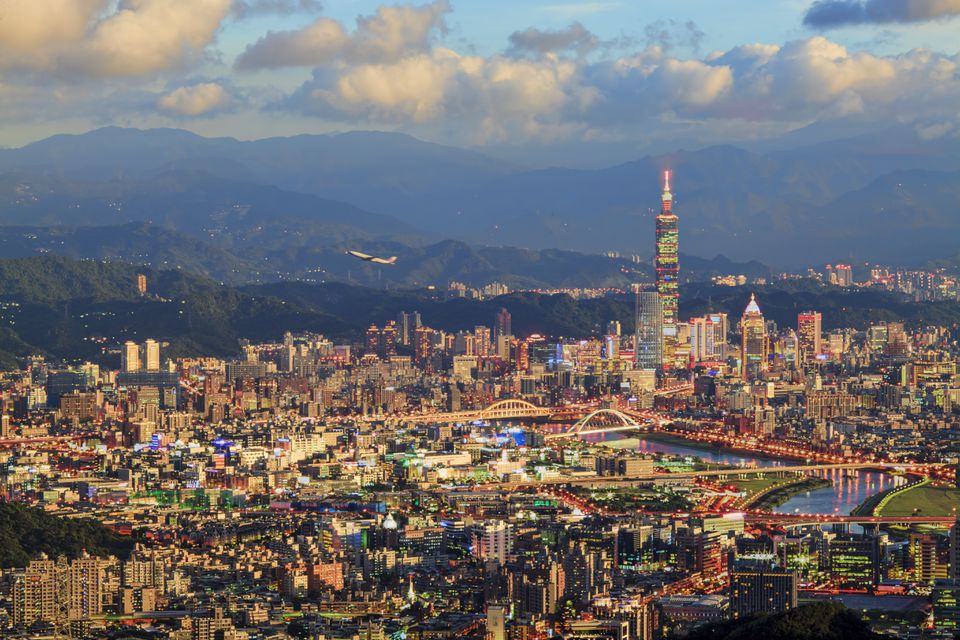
[(850, 487)]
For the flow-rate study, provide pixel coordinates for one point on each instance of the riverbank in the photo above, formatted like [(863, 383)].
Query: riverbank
[(668, 438), (780, 494), (922, 499)]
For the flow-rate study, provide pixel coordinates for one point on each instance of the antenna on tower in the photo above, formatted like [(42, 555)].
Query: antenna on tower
[(666, 181)]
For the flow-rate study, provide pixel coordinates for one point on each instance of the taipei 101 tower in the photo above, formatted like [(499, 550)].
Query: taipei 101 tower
[(667, 264)]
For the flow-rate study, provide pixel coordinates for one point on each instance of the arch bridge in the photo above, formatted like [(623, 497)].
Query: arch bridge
[(501, 410), (599, 421)]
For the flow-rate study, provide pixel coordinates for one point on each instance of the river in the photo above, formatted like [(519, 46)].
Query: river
[(850, 487)]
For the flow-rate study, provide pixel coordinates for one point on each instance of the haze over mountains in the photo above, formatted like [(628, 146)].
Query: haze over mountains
[(288, 206)]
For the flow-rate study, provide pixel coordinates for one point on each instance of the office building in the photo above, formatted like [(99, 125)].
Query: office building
[(809, 332), (151, 353), (130, 356), (648, 352), (667, 265), (854, 561), (753, 341), (946, 604), (503, 324), (761, 590)]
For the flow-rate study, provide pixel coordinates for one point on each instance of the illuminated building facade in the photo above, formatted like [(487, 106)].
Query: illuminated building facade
[(648, 353), (754, 344), (762, 590), (667, 264), (809, 331)]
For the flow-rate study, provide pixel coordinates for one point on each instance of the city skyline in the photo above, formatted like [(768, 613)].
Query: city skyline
[(578, 320)]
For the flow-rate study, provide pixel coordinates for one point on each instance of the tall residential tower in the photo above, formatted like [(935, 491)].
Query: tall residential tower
[(667, 264)]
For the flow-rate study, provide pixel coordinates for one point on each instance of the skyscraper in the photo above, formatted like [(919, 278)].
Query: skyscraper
[(753, 345), (151, 352), (667, 264), (407, 325), (648, 351), (130, 356), (503, 325), (808, 337)]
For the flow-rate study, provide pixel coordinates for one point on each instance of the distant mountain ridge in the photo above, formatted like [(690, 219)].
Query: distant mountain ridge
[(808, 205), (307, 258)]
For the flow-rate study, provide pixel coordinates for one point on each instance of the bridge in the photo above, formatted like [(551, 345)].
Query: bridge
[(6, 443), (595, 481), (685, 387), (598, 421), (810, 519), (502, 410)]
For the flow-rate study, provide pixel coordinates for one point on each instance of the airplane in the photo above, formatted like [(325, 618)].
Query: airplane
[(368, 258)]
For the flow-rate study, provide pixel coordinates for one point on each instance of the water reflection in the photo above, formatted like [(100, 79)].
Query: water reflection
[(850, 487)]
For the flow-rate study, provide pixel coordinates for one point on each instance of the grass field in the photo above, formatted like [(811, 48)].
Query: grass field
[(928, 500)]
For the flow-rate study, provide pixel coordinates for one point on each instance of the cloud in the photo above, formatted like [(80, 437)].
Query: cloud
[(581, 8), (575, 37), (196, 100), (99, 38), (390, 34), (826, 14), (251, 8), (445, 84), (757, 85), (671, 34)]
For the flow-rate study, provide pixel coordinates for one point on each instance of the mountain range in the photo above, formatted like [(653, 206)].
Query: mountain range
[(291, 204)]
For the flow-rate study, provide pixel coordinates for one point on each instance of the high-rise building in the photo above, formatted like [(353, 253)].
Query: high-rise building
[(753, 341), (407, 325), (482, 341), (141, 284), (85, 588), (39, 593), (854, 561), (809, 331), (767, 590), (58, 591), (130, 356), (946, 604), (492, 541), (708, 335), (667, 265), (496, 622), (151, 355), (503, 324), (648, 339)]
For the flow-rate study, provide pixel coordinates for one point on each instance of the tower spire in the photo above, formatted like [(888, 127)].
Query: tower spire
[(667, 197)]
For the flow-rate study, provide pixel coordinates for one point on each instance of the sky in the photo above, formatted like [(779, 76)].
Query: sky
[(481, 73)]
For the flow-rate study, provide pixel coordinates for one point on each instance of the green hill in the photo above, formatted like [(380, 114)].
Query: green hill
[(84, 309), (26, 532)]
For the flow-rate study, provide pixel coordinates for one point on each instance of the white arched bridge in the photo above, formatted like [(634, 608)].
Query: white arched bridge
[(599, 421)]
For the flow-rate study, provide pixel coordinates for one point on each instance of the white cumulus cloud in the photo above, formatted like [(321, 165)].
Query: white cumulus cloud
[(196, 100), (390, 34), (99, 38)]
